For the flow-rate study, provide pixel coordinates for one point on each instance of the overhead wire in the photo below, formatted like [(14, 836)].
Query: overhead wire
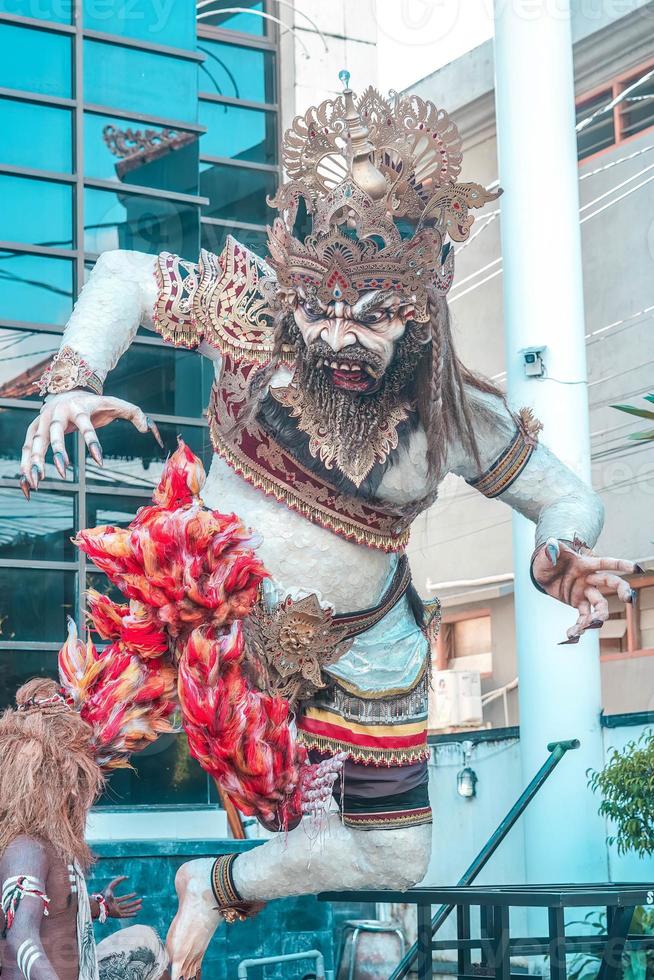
[(620, 97)]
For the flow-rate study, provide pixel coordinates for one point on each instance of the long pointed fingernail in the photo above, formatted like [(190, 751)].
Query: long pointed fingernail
[(633, 598), (569, 641), (638, 569), (60, 464), (25, 487), (552, 552), (36, 476), (96, 452), (152, 426), (596, 624)]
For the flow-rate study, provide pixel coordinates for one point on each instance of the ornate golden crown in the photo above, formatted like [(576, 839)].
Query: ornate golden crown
[(379, 179)]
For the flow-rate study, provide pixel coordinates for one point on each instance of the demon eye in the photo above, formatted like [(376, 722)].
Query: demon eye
[(313, 313), (369, 319)]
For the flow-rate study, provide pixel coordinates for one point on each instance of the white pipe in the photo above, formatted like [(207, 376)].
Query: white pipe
[(469, 583), (560, 693), (499, 692)]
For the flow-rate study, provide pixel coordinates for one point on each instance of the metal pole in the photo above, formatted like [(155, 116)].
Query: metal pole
[(557, 750), (544, 306)]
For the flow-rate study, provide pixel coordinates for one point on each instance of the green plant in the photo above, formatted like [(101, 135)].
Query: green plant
[(626, 785), (642, 413), (637, 964)]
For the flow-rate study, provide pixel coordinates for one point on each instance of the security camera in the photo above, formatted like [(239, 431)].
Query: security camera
[(532, 358)]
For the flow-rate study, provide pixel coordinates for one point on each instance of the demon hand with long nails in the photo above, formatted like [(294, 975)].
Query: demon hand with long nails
[(339, 405)]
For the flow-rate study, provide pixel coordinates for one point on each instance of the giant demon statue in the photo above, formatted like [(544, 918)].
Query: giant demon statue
[(339, 405)]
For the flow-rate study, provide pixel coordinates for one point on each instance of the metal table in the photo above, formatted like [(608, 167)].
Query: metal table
[(495, 943)]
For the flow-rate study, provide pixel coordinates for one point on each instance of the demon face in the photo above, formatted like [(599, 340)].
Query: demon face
[(353, 346), (354, 376)]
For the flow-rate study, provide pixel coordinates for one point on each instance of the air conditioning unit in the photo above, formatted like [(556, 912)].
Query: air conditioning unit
[(455, 699)]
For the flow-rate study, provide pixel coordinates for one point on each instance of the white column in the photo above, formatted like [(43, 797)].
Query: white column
[(543, 305)]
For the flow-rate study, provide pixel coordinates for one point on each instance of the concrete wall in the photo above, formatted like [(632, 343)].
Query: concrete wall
[(462, 827), (343, 35), (465, 536), (590, 16)]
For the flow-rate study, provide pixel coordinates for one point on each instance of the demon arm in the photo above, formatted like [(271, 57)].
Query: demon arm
[(516, 468), (23, 876), (119, 296)]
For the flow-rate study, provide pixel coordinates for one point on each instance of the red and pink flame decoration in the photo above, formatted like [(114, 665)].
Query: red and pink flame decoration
[(190, 575)]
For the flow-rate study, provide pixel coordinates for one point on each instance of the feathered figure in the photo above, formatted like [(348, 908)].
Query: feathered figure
[(191, 575), (127, 699)]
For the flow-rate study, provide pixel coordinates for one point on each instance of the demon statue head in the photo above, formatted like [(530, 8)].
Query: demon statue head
[(361, 299)]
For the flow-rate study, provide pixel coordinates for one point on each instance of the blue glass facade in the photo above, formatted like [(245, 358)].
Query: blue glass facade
[(137, 125)]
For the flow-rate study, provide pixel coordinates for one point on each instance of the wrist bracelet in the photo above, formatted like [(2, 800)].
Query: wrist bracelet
[(66, 371), (103, 906)]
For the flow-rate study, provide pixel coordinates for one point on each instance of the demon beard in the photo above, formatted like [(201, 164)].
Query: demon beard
[(349, 430)]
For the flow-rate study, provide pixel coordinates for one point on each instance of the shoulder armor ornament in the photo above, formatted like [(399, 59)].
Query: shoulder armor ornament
[(224, 300)]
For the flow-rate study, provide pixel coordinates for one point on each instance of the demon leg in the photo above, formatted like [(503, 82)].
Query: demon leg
[(294, 864)]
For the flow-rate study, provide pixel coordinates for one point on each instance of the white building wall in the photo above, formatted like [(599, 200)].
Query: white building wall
[(326, 38), (465, 536)]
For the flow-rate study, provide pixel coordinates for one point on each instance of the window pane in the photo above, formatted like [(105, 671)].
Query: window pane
[(214, 237), (638, 108), (35, 289), (159, 23), (40, 529), (140, 81), (599, 133), (98, 581), (36, 212), (24, 355), (246, 23), (13, 426), (243, 134), (135, 460), (146, 224), (35, 61), (164, 774), (237, 194), (242, 73), (34, 604), (17, 668), (136, 153), (57, 10), (104, 508), (26, 128), (163, 381)]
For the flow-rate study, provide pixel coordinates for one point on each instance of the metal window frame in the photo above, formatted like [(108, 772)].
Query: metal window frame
[(46, 251), (238, 164), (39, 98), (231, 100), (164, 122), (38, 24), (106, 37), (51, 176), (122, 41), (613, 87), (244, 225), (264, 42), (81, 488)]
